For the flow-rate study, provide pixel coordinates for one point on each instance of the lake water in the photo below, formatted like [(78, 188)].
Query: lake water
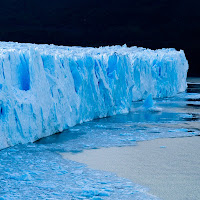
[(170, 167), (38, 171)]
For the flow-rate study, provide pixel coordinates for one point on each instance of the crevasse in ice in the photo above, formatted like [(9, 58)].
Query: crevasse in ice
[(45, 89)]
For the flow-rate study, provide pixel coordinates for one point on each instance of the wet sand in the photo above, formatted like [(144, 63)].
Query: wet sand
[(169, 167)]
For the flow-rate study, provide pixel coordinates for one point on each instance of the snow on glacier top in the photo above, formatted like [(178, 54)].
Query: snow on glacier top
[(52, 49)]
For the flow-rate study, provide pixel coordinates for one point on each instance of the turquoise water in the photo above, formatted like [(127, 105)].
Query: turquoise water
[(37, 171)]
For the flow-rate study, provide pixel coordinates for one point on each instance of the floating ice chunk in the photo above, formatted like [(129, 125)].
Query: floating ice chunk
[(179, 130), (155, 109), (149, 105), (186, 115)]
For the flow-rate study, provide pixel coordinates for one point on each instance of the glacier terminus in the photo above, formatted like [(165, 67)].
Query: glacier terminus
[(45, 89)]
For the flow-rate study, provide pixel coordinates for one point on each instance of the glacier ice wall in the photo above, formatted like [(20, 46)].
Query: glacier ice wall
[(45, 89)]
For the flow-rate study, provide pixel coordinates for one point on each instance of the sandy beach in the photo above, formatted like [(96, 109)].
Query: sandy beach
[(169, 167)]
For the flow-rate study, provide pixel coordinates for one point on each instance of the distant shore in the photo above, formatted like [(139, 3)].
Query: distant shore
[(193, 79), (169, 167)]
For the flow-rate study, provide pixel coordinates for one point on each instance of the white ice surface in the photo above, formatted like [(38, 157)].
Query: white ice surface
[(45, 89)]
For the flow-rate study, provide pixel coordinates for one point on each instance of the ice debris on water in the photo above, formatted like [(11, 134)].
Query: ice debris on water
[(45, 89), (149, 105)]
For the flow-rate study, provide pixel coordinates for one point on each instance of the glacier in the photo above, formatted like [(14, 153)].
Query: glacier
[(45, 89)]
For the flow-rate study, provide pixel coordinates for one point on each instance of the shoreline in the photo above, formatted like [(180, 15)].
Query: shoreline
[(169, 167)]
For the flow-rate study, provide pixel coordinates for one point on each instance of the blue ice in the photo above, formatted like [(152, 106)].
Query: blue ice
[(46, 89), (148, 103)]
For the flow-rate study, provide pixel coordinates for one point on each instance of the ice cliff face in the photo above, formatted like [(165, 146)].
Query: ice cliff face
[(45, 89)]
